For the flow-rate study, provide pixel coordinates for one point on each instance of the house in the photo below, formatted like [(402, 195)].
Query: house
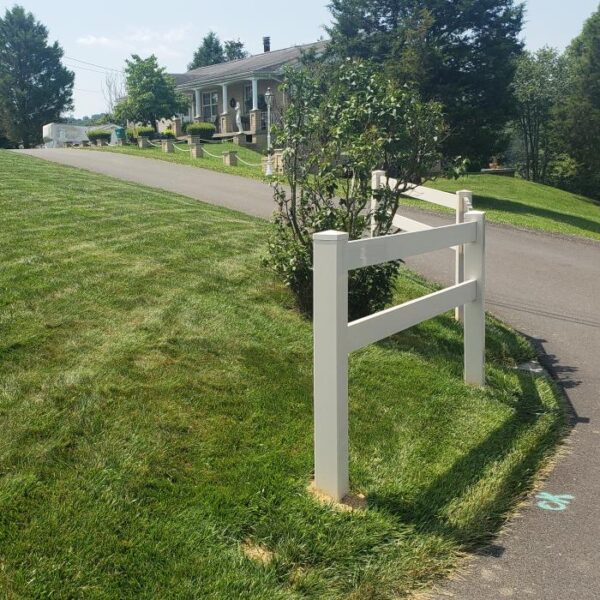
[(216, 90)]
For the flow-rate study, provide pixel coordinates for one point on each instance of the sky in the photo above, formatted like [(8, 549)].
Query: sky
[(98, 36)]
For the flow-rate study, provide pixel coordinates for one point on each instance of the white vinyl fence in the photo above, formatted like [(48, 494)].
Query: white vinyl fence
[(335, 338), (461, 202)]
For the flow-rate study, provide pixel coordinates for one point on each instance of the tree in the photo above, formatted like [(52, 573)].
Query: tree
[(35, 88), (578, 118), (460, 54), (113, 90), (340, 124), (210, 52), (4, 141), (234, 50), (540, 82), (151, 93)]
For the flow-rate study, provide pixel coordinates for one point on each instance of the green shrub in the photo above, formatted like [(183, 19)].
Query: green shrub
[(132, 134), (99, 134), (167, 134), (201, 129), (145, 131), (336, 130)]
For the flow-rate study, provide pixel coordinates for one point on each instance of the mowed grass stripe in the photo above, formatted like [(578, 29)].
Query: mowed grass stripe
[(156, 410)]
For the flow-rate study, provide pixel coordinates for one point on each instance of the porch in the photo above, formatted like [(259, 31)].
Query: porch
[(217, 104)]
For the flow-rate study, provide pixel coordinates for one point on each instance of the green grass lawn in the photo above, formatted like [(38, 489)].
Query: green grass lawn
[(525, 204), (207, 162), (156, 414)]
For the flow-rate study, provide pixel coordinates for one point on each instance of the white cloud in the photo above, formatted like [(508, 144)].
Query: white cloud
[(94, 40), (138, 38)]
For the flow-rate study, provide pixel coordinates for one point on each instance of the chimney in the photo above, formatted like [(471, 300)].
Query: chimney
[(267, 44)]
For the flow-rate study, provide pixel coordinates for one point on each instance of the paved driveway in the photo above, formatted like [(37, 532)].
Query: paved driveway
[(546, 286)]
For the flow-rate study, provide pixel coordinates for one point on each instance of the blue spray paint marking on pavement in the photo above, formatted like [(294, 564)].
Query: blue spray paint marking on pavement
[(548, 501)]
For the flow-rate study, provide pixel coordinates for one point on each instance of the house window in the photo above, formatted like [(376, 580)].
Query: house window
[(210, 105), (248, 97)]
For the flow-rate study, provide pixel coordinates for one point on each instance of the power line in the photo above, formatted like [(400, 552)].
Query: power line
[(83, 62), (86, 69)]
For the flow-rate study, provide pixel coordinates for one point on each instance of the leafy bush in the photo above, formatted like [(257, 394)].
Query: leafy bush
[(563, 172), (99, 134), (145, 131), (201, 129), (167, 134), (132, 134), (335, 131)]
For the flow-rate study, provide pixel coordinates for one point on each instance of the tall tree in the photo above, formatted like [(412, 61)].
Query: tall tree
[(540, 82), (234, 50), (461, 54), (578, 119), (35, 88), (151, 93), (210, 52)]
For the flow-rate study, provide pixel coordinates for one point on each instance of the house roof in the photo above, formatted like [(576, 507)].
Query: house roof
[(265, 63)]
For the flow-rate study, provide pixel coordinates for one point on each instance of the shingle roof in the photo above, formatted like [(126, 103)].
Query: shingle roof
[(267, 62)]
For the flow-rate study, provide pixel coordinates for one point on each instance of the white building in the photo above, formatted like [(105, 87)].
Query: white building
[(61, 135)]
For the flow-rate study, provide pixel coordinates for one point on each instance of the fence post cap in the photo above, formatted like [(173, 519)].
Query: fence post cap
[(330, 236), (475, 215), (465, 192)]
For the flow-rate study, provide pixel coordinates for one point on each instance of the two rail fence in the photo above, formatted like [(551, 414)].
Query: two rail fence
[(335, 338)]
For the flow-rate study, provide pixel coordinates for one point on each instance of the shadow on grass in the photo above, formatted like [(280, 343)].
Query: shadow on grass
[(518, 208), (426, 512)]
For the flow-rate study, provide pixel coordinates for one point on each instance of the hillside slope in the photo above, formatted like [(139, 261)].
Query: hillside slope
[(525, 204)]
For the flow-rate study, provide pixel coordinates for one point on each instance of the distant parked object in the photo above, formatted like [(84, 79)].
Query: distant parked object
[(62, 135)]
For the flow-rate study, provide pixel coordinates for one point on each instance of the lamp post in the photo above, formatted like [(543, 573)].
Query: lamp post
[(269, 101)]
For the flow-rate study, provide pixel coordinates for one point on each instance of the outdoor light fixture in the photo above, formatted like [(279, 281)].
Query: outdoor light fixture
[(269, 101)]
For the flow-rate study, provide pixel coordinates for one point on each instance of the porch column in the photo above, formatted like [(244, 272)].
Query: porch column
[(225, 117), (254, 94), (225, 99), (254, 113), (198, 103)]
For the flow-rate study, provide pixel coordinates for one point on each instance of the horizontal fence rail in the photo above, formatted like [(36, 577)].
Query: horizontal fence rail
[(373, 251), (407, 224), (373, 328), (460, 202), (335, 338), (420, 192)]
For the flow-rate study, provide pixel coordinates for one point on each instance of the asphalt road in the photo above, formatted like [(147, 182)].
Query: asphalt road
[(548, 287)]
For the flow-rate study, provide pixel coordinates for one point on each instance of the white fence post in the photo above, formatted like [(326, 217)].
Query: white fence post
[(330, 323), (464, 199), (376, 177), (474, 312)]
